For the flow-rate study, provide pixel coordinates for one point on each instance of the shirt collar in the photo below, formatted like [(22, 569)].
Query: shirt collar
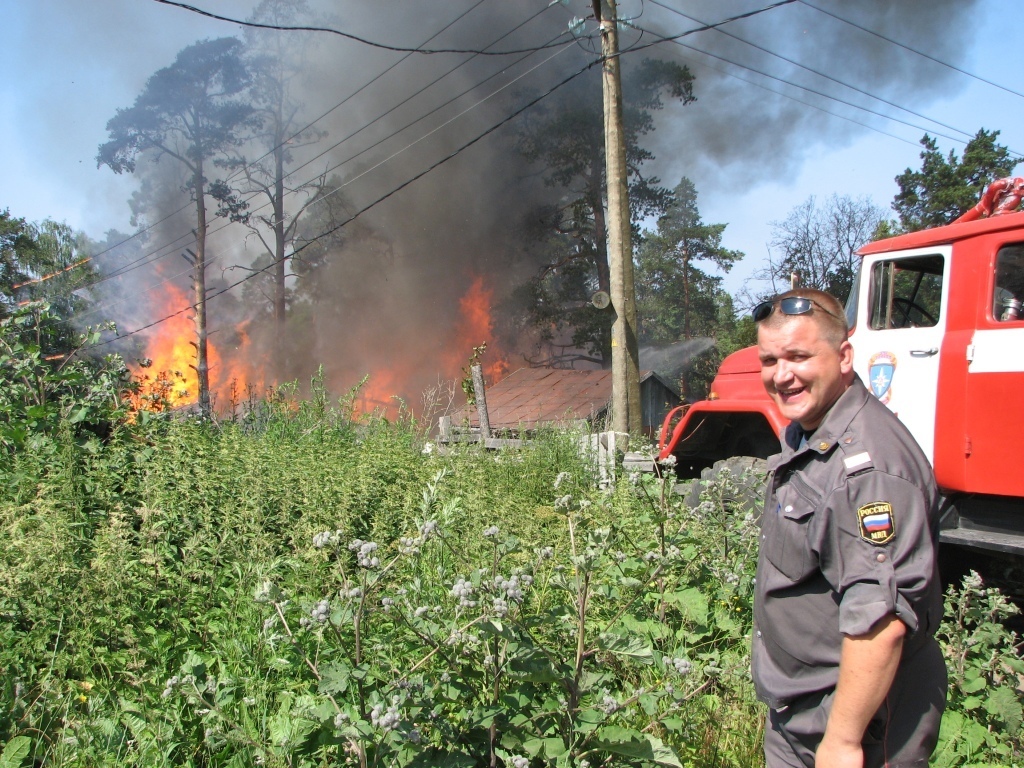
[(833, 426)]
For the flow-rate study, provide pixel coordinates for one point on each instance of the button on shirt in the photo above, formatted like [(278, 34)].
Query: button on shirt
[(823, 570)]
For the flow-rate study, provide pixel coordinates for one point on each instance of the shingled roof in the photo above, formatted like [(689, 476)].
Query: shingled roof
[(530, 397)]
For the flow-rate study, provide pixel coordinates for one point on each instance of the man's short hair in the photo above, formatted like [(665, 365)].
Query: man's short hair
[(826, 311)]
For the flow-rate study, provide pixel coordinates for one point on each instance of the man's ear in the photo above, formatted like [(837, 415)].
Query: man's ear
[(846, 358)]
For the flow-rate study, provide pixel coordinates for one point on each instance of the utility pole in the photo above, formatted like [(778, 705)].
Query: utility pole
[(626, 415)]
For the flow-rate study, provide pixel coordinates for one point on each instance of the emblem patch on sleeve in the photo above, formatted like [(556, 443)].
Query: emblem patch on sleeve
[(876, 522)]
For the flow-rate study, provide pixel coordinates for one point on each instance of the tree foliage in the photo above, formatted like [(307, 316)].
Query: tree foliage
[(676, 299), (44, 262), (43, 393), (190, 111), (946, 186), (818, 242), (565, 135), (18, 251)]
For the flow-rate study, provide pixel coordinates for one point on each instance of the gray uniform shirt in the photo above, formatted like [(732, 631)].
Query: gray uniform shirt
[(849, 536)]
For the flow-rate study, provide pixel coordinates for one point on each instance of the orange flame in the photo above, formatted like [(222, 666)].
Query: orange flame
[(475, 328), (167, 374)]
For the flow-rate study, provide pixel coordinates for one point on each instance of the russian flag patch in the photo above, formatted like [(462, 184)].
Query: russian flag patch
[(876, 522)]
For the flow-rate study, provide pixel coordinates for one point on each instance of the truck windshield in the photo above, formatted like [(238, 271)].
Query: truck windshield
[(851, 300)]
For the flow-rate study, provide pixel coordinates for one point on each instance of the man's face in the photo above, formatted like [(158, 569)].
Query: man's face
[(802, 371)]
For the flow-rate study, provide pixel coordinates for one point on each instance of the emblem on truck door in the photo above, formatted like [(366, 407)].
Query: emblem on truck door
[(881, 369)]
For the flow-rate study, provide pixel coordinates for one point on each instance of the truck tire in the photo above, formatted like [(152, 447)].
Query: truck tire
[(748, 473)]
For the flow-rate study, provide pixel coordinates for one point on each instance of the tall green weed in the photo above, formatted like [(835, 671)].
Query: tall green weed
[(299, 586)]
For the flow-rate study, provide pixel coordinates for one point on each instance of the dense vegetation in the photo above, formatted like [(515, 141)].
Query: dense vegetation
[(302, 587)]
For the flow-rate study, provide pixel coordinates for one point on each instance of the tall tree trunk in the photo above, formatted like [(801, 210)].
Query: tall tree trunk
[(199, 294), (280, 243), (686, 290), (279, 237)]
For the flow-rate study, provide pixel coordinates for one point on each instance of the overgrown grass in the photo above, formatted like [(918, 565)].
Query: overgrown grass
[(300, 587)]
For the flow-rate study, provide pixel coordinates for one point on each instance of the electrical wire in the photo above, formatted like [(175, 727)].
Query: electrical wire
[(706, 27), (785, 95), (672, 38), (356, 38), (214, 259), (144, 259), (912, 50), (821, 94), (366, 208), (143, 262), (816, 72)]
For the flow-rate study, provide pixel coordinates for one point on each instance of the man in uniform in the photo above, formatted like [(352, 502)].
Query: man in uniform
[(847, 596)]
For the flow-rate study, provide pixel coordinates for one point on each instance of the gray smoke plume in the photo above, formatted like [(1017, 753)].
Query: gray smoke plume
[(391, 297), (669, 361)]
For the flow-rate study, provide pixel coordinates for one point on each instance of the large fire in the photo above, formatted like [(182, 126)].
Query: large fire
[(167, 373), (168, 376), (474, 329)]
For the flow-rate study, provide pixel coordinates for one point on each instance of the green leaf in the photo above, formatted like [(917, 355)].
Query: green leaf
[(672, 724), (15, 752), (550, 748), (493, 627), (287, 729), (554, 748), (970, 703), (335, 677), (631, 646), (629, 743), (691, 603), (194, 665), (975, 685), (484, 716), (1004, 704)]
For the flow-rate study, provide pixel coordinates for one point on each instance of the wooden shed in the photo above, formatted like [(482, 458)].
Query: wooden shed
[(534, 397)]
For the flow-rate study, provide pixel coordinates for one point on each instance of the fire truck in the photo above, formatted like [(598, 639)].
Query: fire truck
[(938, 336)]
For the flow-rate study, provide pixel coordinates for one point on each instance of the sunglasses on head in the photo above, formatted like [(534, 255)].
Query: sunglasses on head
[(791, 305)]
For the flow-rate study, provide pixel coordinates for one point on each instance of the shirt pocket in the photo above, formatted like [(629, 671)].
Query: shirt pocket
[(787, 543)]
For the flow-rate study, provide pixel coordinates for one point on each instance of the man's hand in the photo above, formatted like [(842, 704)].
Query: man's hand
[(867, 667), (836, 754)]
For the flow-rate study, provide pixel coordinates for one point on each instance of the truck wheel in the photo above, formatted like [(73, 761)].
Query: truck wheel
[(748, 474)]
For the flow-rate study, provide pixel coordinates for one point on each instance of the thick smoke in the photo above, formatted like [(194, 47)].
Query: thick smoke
[(388, 298), (739, 128)]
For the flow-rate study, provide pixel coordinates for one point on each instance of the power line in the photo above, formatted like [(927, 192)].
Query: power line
[(764, 87), (912, 50), (820, 93), (815, 72), (376, 202), (672, 38), (141, 262), (356, 38), (145, 258), (171, 278), (705, 27)]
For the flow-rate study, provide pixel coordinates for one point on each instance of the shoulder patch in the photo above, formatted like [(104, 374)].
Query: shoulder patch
[(877, 524)]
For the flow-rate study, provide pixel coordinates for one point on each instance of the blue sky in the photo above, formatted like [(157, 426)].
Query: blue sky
[(68, 65)]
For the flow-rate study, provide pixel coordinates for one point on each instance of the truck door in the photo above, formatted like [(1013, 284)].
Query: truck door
[(994, 405), (901, 318)]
